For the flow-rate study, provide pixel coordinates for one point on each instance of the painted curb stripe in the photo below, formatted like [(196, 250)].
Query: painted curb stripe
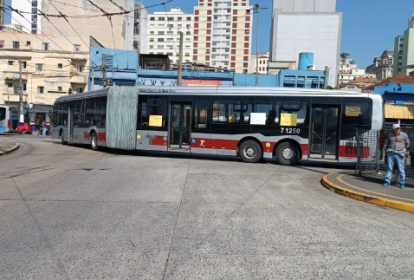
[(12, 149), (408, 207)]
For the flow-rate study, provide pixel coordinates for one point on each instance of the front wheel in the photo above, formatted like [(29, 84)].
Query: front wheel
[(287, 153), (251, 151), (94, 142)]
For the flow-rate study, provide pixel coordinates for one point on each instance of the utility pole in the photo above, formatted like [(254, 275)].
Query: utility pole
[(325, 83), (21, 92), (257, 10), (104, 82), (180, 61), (234, 77), (93, 77)]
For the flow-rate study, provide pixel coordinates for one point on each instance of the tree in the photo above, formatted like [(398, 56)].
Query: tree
[(344, 57)]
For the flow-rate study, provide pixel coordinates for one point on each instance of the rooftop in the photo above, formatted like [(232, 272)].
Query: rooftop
[(399, 79)]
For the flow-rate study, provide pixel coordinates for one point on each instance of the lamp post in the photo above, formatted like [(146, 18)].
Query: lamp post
[(256, 10)]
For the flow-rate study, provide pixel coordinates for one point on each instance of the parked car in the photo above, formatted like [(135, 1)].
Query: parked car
[(24, 128)]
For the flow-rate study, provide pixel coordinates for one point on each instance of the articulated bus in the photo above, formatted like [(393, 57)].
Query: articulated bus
[(289, 124), (9, 118)]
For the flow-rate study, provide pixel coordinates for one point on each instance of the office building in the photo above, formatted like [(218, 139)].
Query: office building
[(223, 34), (140, 28), (404, 51), (307, 26), (163, 35)]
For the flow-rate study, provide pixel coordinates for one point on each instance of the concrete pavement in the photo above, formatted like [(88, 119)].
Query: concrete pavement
[(7, 145), (72, 213)]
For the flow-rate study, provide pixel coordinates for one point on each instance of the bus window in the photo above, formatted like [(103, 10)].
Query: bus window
[(89, 112), (63, 114), (201, 114), (153, 106), (357, 113), (295, 107), (2, 114), (258, 105), (226, 111)]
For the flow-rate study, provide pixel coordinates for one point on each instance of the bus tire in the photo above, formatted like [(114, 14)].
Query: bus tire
[(287, 153), (94, 141), (251, 151), (24, 131), (62, 138)]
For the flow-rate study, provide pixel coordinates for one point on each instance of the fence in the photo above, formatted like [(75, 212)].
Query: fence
[(372, 156)]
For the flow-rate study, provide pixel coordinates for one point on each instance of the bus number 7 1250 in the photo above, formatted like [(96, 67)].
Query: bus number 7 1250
[(290, 130)]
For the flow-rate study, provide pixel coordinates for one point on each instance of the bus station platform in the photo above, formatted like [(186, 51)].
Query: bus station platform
[(7, 146), (370, 190)]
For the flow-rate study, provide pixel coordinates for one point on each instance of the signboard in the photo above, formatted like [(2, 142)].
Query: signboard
[(155, 120), (288, 119)]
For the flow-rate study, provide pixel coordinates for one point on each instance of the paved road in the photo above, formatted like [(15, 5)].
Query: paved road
[(70, 213)]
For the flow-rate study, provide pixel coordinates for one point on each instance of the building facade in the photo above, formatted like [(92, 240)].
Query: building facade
[(356, 74), (404, 51), (307, 26), (140, 28), (117, 33), (47, 73), (163, 35), (223, 34), (263, 63), (347, 65), (31, 23), (384, 65)]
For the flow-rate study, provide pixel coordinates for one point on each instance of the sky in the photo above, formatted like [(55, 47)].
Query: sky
[(368, 28)]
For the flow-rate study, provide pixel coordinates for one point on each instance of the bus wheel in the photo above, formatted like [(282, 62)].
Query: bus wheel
[(94, 142), (250, 151), (62, 138), (24, 131), (287, 153)]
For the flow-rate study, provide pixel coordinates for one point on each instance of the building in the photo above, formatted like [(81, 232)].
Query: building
[(307, 26), (223, 34), (370, 69), (347, 65), (404, 50), (384, 65), (163, 35), (116, 32), (140, 28), (263, 63), (356, 74), (47, 71), (31, 23)]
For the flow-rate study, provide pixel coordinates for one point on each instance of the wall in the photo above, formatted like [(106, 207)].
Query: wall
[(88, 25), (305, 6), (250, 80), (408, 52), (319, 33)]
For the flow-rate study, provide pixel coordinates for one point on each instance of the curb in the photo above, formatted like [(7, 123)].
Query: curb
[(408, 207), (12, 149)]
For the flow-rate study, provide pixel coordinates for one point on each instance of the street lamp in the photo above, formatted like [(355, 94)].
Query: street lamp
[(256, 10)]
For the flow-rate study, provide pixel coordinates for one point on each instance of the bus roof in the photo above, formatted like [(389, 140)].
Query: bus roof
[(221, 91)]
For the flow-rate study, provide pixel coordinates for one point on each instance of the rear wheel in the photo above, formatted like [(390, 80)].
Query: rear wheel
[(287, 153), (94, 142), (62, 138), (250, 151)]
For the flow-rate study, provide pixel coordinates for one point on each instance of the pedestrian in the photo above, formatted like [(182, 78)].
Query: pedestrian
[(43, 128), (396, 146), (411, 136)]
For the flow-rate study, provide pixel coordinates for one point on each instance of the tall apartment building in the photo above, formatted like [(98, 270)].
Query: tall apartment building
[(31, 23), (307, 26), (223, 34), (404, 51), (140, 28), (163, 34)]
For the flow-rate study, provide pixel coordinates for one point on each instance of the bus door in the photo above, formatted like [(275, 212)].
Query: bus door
[(324, 138), (70, 123), (180, 127)]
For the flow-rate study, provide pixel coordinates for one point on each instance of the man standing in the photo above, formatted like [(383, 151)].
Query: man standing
[(396, 146)]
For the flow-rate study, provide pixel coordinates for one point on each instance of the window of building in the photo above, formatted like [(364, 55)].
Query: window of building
[(179, 26), (170, 18), (10, 62), (188, 26), (80, 68), (160, 46), (60, 65), (45, 46), (161, 33), (152, 18), (170, 25), (59, 88), (151, 47), (152, 32), (188, 39), (161, 18), (24, 87), (79, 90), (28, 43), (188, 18), (39, 67), (24, 64), (179, 19), (40, 89), (1, 44), (160, 39), (16, 45), (10, 85), (76, 48), (151, 39)]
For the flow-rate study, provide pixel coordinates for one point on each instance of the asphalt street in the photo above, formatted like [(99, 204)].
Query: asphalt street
[(67, 212)]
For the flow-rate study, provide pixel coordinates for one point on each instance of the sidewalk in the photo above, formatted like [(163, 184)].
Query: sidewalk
[(370, 191), (7, 146)]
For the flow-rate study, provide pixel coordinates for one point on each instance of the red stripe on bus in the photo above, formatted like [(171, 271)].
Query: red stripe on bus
[(304, 148), (205, 143), (351, 151), (159, 141)]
